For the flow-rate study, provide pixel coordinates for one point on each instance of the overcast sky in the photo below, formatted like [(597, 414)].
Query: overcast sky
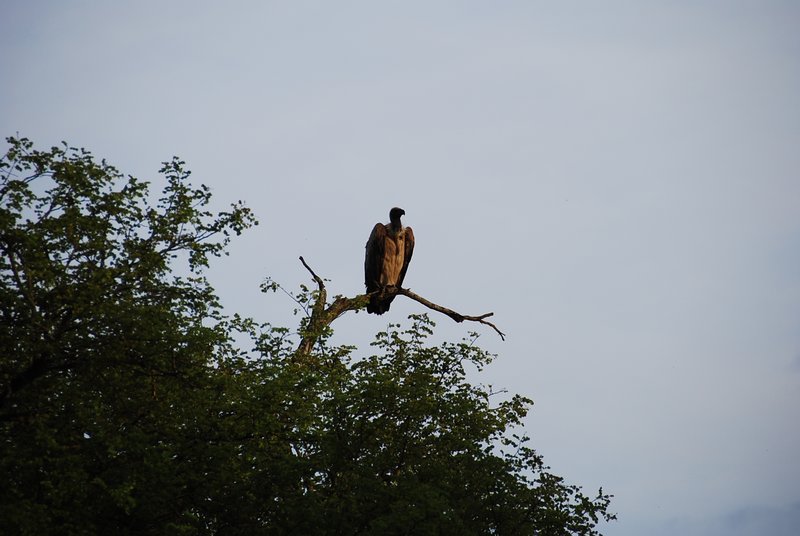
[(620, 184)]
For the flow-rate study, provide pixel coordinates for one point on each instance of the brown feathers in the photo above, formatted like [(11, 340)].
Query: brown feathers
[(388, 253)]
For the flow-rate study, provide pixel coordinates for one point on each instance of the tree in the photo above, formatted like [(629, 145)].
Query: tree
[(127, 407), (105, 351)]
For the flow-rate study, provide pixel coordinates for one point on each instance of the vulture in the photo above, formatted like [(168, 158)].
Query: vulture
[(389, 250)]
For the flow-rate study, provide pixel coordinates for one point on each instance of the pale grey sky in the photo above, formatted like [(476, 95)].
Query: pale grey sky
[(618, 183)]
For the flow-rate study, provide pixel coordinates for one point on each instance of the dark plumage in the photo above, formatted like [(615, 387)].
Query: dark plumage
[(389, 251)]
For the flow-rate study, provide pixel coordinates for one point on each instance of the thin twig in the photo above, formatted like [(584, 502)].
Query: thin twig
[(292, 296)]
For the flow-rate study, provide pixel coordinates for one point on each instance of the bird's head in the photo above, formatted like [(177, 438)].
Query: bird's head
[(395, 213)]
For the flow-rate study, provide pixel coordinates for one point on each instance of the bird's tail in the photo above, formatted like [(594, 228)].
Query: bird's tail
[(379, 304)]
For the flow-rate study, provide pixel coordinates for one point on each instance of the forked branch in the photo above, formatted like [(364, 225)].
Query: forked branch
[(322, 316)]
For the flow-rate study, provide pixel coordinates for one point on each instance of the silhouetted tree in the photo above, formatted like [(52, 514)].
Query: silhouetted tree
[(126, 407)]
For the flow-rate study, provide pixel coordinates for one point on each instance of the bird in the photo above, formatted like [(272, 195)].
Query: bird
[(388, 252)]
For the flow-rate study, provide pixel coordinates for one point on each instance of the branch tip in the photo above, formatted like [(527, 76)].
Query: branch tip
[(317, 278)]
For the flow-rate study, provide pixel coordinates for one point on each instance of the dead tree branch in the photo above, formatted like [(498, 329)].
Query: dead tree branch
[(458, 317), (322, 316)]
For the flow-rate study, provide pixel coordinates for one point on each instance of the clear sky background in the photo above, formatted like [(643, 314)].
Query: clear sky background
[(619, 182)]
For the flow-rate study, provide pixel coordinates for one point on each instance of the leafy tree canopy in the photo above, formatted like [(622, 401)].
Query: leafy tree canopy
[(127, 407)]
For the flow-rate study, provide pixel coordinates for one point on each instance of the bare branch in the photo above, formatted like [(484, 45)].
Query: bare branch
[(458, 317), (323, 316), (318, 308), (317, 278)]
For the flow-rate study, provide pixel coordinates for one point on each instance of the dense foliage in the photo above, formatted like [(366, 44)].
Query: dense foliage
[(126, 407)]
